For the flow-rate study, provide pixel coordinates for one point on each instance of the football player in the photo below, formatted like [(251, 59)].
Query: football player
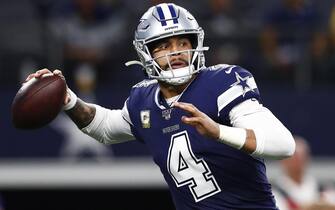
[(206, 127)]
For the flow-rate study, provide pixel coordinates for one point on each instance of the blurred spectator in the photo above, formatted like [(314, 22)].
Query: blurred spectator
[(77, 145), (91, 33), (320, 60), (224, 31), (232, 28), (332, 25), (296, 188), (331, 72), (288, 31), (20, 38), (224, 19)]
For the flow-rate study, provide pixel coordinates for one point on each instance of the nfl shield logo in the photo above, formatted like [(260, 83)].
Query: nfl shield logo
[(166, 114)]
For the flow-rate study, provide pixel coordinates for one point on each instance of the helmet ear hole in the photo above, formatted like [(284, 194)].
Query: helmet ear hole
[(152, 45), (193, 39)]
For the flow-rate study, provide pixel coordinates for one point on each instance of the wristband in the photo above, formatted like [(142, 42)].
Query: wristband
[(73, 100), (232, 136)]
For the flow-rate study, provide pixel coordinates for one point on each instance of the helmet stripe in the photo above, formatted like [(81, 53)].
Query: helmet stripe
[(161, 15), (173, 14)]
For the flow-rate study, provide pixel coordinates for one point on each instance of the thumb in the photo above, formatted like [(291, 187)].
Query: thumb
[(67, 98)]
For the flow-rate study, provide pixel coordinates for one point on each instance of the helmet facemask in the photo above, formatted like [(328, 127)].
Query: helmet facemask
[(175, 76)]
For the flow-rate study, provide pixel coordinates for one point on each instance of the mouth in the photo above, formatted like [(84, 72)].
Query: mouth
[(178, 64)]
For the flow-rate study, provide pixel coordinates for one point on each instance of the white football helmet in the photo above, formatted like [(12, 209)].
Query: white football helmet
[(162, 21)]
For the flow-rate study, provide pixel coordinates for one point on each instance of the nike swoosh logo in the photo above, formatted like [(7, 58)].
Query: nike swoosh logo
[(229, 70)]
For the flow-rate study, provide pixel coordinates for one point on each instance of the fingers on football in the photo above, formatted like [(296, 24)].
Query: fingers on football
[(57, 72), (30, 76), (41, 72)]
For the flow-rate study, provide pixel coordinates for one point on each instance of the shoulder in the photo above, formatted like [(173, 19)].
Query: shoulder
[(224, 76), (145, 83), (144, 87), (142, 90), (221, 67), (226, 71), (230, 84)]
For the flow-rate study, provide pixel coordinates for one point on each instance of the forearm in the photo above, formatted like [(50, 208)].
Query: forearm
[(250, 142), (105, 125), (109, 126), (266, 136), (257, 131), (262, 140), (81, 114), (239, 138)]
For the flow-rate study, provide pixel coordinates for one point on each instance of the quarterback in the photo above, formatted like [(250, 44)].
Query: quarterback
[(205, 127)]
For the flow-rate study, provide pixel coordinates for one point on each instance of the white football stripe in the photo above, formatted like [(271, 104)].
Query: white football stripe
[(232, 93)]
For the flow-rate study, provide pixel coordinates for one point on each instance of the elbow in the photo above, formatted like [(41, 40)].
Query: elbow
[(104, 139), (278, 147), (289, 146)]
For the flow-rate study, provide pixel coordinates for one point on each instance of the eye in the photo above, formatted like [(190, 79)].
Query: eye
[(184, 43), (163, 46), (160, 47)]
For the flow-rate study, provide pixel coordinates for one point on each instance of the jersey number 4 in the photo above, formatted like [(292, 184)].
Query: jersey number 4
[(186, 169)]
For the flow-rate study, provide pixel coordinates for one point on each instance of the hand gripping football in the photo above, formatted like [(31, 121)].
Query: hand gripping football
[(38, 101)]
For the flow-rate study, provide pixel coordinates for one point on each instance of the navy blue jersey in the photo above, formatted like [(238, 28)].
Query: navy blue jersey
[(201, 173)]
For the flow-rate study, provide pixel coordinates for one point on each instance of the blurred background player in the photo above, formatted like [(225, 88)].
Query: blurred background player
[(90, 33), (296, 188), (289, 28)]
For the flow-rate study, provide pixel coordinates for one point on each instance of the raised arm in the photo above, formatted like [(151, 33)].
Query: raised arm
[(80, 112), (255, 130), (105, 125)]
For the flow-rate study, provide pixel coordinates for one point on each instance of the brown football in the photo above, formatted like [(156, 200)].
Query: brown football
[(38, 101)]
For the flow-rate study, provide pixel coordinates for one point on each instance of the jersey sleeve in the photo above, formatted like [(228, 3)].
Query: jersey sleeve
[(140, 98), (110, 126), (274, 140), (237, 85)]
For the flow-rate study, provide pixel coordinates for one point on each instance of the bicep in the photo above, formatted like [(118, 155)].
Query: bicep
[(251, 114), (118, 129), (109, 126)]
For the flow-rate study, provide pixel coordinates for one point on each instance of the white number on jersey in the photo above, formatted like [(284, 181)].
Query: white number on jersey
[(186, 169)]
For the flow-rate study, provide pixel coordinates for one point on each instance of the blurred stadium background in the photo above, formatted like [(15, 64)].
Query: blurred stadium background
[(289, 46)]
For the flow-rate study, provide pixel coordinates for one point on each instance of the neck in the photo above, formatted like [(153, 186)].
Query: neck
[(169, 91)]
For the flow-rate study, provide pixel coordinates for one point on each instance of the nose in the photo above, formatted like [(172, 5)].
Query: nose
[(175, 50), (176, 46)]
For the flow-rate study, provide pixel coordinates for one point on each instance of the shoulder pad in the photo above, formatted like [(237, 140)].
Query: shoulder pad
[(145, 83), (225, 67)]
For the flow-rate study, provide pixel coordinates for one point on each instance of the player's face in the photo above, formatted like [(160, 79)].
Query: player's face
[(171, 45)]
